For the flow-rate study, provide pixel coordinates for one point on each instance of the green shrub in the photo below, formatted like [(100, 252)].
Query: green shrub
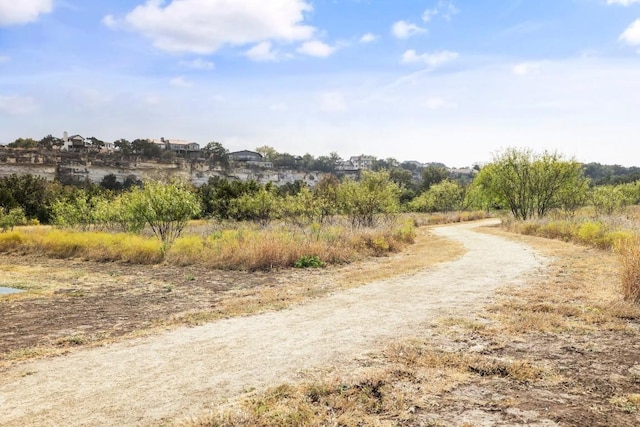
[(309, 262)]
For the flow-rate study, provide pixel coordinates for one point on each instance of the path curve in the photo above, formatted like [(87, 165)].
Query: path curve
[(185, 371)]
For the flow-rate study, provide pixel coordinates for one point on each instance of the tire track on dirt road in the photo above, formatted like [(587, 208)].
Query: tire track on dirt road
[(189, 370)]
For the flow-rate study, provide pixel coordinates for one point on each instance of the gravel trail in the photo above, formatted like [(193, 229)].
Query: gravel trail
[(185, 371)]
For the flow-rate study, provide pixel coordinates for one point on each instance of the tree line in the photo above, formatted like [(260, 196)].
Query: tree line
[(527, 184)]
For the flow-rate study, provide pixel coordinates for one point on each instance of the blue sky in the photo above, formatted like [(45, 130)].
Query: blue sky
[(453, 81)]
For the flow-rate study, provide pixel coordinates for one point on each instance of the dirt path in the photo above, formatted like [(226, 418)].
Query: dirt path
[(186, 371)]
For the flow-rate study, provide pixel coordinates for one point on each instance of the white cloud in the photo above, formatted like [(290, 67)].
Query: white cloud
[(404, 30), (199, 64), (316, 48), (110, 21), (369, 38), (180, 81), (632, 34), (444, 8), (205, 26), (17, 105), (262, 52), (332, 102), (14, 12), (525, 68), (623, 2), (432, 60)]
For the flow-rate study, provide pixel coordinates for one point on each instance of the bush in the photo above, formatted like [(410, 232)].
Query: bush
[(12, 218), (309, 262)]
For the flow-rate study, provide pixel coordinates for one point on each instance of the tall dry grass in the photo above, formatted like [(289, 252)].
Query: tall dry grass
[(249, 247), (620, 233), (629, 250), (234, 247)]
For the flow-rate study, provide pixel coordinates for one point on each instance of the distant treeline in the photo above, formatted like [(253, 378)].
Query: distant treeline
[(611, 174)]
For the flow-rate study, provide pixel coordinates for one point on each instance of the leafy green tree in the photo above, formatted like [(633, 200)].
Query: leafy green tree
[(146, 148), (529, 184), (123, 146), (165, 207), (10, 218), (50, 141), (365, 201), (268, 153), (302, 208), (23, 143), (609, 199), (33, 194), (95, 142), (433, 174), (445, 196), (326, 194), (261, 206), (218, 194), (217, 154)]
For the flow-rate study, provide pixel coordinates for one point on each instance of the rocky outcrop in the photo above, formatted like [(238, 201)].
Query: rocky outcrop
[(70, 167)]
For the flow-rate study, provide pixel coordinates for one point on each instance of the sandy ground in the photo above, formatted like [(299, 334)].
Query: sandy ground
[(189, 370)]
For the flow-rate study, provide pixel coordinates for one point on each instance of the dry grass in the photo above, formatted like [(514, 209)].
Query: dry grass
[(403, 379), (243, 247), (629, 250), (579, 297)]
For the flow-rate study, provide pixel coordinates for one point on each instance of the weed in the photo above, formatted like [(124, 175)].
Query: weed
[(308, 262)]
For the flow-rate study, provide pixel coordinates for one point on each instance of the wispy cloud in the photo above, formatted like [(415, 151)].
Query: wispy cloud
[(623, 2), (369, 38), (198, 64), (404, 29), (432, 60)]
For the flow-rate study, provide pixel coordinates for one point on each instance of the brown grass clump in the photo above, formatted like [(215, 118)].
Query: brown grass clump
[(383, 395), (629, 250)]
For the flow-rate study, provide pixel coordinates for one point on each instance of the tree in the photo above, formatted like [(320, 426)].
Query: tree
[(609, 199), (218, 194), (363, 202), (50, 141), (10, 218), (445, 196), (23, 143), (261, 206), (33, 194), (530, 184), (217, 154), (269, 153), (95, 142), (433, 174), (326, 194), (124, 146), (146, 148), (165, 207)]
